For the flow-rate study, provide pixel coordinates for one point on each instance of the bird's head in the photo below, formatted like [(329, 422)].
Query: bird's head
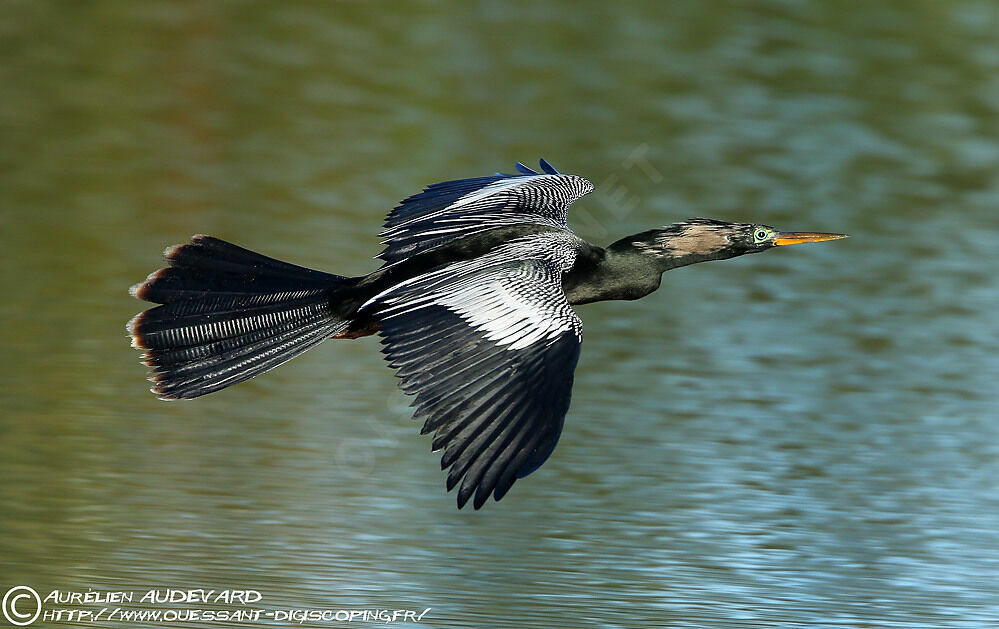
[(702, 239)]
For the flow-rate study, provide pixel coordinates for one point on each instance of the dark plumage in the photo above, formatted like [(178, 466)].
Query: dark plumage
[(472, 303)]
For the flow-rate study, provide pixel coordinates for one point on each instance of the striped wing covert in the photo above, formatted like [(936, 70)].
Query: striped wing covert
[(450, 210)]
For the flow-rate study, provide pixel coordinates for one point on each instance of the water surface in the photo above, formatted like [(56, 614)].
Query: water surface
[(807, 437)]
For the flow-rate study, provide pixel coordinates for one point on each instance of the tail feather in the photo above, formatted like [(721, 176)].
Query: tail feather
[(210, 266), (196, 321), (228, 314), (209, 375)]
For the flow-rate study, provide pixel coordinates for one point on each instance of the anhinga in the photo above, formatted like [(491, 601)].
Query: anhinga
[(473, 305)]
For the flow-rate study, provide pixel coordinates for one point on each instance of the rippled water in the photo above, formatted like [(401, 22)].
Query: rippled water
[(808, 437)]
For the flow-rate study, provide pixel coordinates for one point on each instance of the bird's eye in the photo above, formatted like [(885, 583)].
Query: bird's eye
[(761, 235)]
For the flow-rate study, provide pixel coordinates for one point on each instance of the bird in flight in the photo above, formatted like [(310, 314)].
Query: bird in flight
[(473, 304)]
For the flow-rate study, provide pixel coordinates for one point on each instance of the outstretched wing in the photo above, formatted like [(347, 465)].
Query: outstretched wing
[(446, 211), (489, 347)]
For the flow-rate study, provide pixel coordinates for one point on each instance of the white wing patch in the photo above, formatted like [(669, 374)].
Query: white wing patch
[(508, 318), (513, 295)]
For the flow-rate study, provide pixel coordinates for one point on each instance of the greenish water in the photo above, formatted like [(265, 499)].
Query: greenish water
[(808, 437)]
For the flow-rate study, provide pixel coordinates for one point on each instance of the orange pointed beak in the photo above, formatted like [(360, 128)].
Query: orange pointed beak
[(798, 238)]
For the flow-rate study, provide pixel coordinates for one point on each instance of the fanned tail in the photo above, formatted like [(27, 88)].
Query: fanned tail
[(228, 314)]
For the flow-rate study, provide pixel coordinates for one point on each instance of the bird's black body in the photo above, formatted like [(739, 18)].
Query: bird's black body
[(473, 304)]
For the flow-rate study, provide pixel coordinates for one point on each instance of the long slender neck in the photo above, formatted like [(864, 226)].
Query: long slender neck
[(668, 251), (630, 268), (617, 272)]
